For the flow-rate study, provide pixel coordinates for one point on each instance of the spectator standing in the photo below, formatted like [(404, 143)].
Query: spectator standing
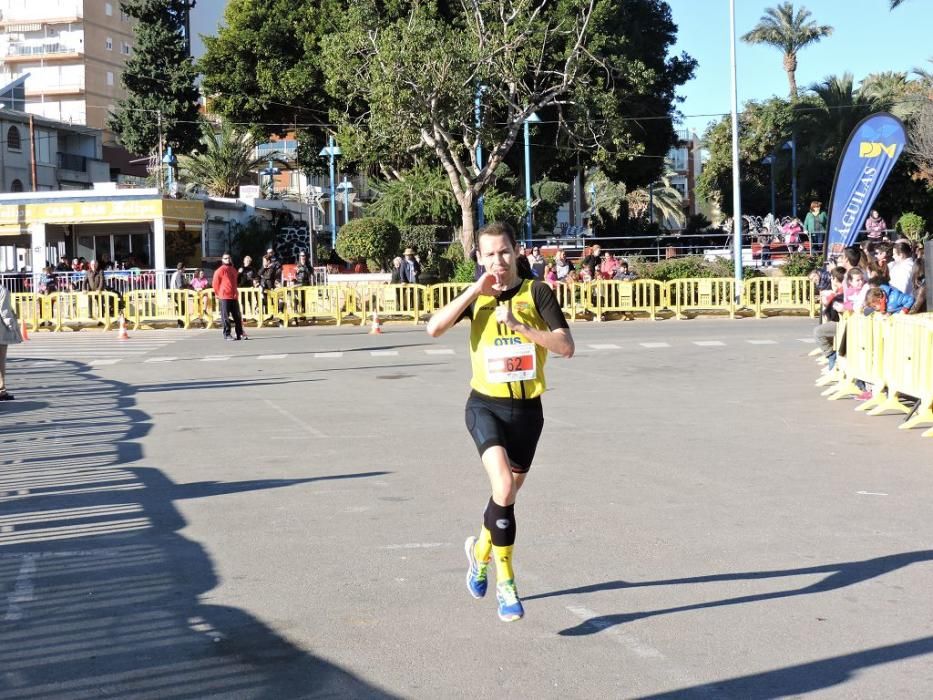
[(562, 266), (608, 267), (815, 225), (537, 263), (875, 226), (411, 268), (590, 263), (304, 275), (901, 268), (267, 274), (94, 278), (63, 265), (178, 280), (225, 289), (9, 335), (396, 270), (246, 275), (200, 282)]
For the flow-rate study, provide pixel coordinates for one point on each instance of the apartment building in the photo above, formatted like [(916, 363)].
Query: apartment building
[(73, 52)]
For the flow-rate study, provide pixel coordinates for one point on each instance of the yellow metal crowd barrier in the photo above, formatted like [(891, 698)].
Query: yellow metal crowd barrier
[(891, 355), (390, 300), (340, 303), (306, 303), (152, 306), (764, 294), (625, 297), (712, 294)]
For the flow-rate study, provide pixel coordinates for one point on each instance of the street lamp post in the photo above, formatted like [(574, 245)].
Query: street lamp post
[(345, 187), (769, 160), (171, 161), (332, 150), (480, 214), (736, 181), (792, 147), (271, 171), (532, 119)]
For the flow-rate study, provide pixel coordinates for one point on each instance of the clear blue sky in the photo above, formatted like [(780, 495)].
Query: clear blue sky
[(868, 38)]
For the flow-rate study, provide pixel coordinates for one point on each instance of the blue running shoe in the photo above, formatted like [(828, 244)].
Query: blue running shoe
[(476, 574), (510, 607)]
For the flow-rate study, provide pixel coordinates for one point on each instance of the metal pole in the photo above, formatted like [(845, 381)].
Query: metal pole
[(773, 199), (159, 123), (333, 200), (651, 203), (480, 214), (528, 222), (736, 181), (346, 200), (793, 172)]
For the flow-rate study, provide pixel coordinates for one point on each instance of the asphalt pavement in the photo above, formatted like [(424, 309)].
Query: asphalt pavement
[(183, 517)]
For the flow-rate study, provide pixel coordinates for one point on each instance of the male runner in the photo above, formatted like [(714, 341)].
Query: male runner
[(515, 322)]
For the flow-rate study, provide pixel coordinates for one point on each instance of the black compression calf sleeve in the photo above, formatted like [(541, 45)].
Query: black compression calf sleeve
[(500, 521)]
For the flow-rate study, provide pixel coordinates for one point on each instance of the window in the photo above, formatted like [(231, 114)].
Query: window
[(108, 9), (123, 16), (45, 146), (125, 48), (110, 78), (16, 186), (109, 43), (13, 140)]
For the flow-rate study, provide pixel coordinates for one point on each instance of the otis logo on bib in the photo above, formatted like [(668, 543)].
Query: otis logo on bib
[(508, 341)]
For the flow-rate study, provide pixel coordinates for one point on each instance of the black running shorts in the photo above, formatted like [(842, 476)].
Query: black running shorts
[(514, 424)]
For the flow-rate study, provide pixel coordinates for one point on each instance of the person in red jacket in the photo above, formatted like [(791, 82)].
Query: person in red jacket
[(224, 284)]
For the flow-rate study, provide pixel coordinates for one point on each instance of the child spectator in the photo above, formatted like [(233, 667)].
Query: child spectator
[(852, 290), (550, 276)]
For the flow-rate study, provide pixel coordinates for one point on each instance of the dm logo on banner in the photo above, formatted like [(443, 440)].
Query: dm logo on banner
[(868, 158)]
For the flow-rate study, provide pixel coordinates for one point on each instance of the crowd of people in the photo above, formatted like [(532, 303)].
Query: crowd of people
[(874, 277), (594, 264)]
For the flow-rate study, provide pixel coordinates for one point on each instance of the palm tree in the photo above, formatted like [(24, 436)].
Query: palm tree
[(609, 197), (790, 32), (421, 195), (665, 200), (225, 160), (892, 91), (842, 107)]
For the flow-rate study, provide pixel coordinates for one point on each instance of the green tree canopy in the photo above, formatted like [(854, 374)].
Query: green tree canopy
[(820, 122), (409, 78), (159, 78), (371, 239)]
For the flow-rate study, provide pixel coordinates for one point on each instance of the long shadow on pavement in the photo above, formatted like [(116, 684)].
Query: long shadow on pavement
[(840, 575), (99, 593), (793, 681)]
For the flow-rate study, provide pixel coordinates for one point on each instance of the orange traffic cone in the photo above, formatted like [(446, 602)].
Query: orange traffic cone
[(376, 328), (24, 330), (122, 334)]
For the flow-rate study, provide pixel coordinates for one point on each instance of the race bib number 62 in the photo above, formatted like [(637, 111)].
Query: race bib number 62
[(510, 363)]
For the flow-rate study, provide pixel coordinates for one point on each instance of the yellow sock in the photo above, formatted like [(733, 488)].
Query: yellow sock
[(483, 546), (503, 556)]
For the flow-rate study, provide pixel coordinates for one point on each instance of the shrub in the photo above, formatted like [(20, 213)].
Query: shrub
[(372, 239), (800, 264), (464, 271), (911, 226)]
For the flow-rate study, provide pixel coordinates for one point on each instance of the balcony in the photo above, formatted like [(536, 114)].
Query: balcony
[(29, 52), (73, 162)]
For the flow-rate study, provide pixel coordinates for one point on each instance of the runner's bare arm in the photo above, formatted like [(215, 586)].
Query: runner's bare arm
[(558, 341)]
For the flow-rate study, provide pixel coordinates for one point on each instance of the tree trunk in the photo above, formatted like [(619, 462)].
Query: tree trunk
[(467, 233), (790, 66)]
